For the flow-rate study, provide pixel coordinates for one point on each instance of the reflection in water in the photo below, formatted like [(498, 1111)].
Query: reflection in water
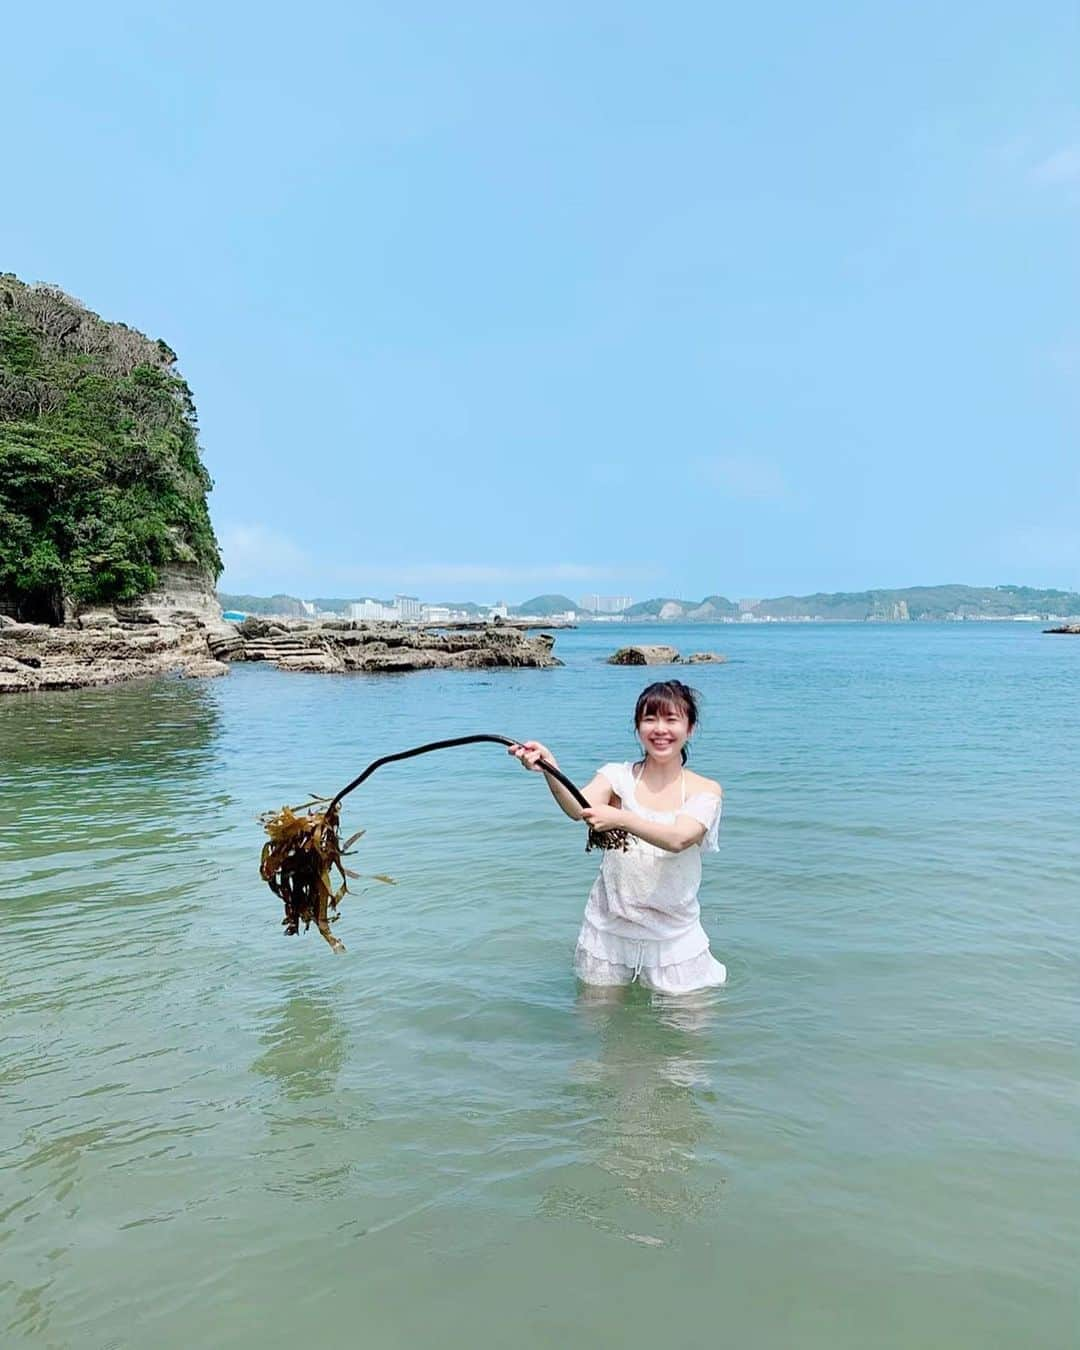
[(147, 724), (118, 786), (112, 780), (644, 1117), (305, 1047)]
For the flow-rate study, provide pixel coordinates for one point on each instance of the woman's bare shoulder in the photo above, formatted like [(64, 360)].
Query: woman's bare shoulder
[(697, 783)]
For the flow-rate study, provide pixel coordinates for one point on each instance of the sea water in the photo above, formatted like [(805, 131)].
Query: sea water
[(215, 1135)]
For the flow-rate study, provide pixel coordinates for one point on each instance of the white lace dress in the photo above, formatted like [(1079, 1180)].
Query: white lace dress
[(642, 919)]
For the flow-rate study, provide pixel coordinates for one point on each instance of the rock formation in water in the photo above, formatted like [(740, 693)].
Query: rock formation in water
[(102, 488), (110, 648), (107, 646), (340, 645), (646, 654)]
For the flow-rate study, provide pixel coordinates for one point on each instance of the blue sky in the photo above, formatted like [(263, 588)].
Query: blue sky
[(481, 300)]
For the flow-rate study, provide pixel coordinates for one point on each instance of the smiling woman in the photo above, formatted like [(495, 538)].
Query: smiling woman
[(642, 919)]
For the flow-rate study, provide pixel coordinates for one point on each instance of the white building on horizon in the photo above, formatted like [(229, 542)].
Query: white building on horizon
[(606, 604), (368, 610)]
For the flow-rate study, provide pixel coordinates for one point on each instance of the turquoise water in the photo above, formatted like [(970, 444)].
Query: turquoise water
[(215, 1135)]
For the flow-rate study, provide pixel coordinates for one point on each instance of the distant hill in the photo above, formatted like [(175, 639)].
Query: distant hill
[(923, 602), (543, 605), (285, 606), (711, 608), (841, 605), (715, 605), (336, 605), (650, 609)]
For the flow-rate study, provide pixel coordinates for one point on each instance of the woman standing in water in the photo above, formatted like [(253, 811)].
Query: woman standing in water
[(642, 919)]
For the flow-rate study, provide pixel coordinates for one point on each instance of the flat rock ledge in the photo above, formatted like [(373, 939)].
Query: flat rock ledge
[(340, 645), (1065, 628), (110, 646), (661, 656), (109, 649)]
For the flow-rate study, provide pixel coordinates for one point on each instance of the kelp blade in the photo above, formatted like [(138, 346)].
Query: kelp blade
[(297, 859)]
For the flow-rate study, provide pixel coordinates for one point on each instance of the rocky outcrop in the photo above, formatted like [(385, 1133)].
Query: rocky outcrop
[(40, 657), (109, 646), (644, 656), (661, 656), (1065, 628), (341, 645)]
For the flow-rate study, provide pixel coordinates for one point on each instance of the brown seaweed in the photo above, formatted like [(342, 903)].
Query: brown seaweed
[(303, 850), (297, 864)]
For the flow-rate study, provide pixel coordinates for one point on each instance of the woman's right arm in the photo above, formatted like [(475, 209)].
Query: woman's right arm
[(597, 793)]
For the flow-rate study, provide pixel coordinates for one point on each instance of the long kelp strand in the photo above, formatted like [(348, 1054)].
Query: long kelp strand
[(303, 850)]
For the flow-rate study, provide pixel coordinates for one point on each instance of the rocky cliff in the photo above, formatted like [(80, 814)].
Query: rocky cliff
[(102, 486)]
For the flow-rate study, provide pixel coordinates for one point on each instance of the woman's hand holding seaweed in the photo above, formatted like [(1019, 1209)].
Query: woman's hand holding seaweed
[(604, 818), (529, 753)]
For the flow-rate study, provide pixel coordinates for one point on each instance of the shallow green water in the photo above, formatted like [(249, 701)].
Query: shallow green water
[(214, 1135)]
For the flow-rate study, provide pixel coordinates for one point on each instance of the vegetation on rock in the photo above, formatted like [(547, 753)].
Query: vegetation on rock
[(101, 482), (923, 602), (545, 605), (287, 605)]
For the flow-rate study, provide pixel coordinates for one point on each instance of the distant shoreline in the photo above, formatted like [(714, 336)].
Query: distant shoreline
[(649, 621), (914, 604)]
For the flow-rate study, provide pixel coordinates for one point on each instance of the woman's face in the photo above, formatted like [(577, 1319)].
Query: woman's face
[(663, 732)]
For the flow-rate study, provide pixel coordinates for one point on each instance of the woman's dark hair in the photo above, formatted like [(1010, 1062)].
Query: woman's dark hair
[(662, 697)]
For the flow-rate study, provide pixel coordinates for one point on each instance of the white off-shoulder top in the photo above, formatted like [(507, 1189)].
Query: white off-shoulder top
[(648, 894)]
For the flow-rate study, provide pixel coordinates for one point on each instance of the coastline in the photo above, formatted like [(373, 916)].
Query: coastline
[(146, 641)]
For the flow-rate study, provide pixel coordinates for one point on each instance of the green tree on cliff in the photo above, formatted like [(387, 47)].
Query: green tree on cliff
[(101, 482)]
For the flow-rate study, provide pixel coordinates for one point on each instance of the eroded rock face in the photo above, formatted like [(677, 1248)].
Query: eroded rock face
[(183, 588)]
